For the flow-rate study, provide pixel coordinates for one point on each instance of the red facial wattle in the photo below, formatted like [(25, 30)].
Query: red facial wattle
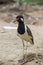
[(17, 19)]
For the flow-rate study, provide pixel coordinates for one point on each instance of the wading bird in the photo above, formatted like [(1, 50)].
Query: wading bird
[(24, 31)]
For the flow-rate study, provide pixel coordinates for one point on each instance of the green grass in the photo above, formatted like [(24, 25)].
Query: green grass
[(33, 1), (29, 1)]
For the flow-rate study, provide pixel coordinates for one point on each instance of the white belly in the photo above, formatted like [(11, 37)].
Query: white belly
[(25, 37)]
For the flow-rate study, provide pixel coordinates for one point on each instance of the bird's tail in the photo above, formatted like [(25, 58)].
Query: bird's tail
[(31, 40)]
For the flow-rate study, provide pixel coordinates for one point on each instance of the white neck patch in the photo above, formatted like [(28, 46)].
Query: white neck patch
[(22, 19)]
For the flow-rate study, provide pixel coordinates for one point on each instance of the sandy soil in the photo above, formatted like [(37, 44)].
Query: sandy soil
[(11, 47)]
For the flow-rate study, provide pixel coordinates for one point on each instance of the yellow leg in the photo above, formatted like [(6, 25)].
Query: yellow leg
[(24, 53), (24, 49)]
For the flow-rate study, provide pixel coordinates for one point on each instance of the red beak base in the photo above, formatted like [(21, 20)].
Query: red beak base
[(16, 19)]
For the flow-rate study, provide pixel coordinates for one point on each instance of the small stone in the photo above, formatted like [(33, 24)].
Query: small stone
[(36, 61)]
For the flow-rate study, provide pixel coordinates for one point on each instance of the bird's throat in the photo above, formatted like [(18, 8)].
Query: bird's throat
[(21, 28)]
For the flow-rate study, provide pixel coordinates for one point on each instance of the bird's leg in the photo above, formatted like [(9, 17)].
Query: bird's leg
[(26, 50), (23, 49), (24, 53)]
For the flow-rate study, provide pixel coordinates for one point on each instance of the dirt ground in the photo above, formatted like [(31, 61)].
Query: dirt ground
[(11, 47)]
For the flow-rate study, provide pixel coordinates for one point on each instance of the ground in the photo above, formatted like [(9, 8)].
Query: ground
[(11, 47)]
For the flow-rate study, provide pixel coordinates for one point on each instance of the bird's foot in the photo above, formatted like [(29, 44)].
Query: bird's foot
[(23, 60), (27, 58)]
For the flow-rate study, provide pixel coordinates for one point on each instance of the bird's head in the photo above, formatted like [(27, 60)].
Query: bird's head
[(19, 18)]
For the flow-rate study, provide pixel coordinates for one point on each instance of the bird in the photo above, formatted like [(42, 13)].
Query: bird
[(23, 31)]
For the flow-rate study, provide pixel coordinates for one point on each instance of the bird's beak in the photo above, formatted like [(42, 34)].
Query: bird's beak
[(16, 20)]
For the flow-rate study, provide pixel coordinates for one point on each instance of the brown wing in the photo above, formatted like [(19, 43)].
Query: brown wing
[(30, 34)]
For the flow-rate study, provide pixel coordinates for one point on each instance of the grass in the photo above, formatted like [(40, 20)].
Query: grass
[(31, 1), (34, 1)]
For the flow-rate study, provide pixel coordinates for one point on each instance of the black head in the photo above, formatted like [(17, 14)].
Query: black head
[(21, 26), (19, 18)]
